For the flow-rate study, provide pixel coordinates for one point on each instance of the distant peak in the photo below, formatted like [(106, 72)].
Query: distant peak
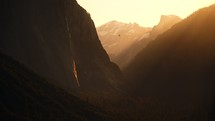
[(167, 17), (114, 21), (135, 24), (164, 19)]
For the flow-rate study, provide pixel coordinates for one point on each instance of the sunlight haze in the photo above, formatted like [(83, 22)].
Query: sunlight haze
[(144, 12)]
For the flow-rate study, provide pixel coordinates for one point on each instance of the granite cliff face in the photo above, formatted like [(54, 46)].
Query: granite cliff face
[(50, 36)]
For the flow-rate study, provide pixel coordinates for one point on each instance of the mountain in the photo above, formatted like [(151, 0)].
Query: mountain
[(25, 96), (57, 39), (165, 23), (178, 67), (125, 57), (117, 36)]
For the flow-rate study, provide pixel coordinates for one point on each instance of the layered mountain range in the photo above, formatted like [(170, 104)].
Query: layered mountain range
[(123, 41), (117, 36)]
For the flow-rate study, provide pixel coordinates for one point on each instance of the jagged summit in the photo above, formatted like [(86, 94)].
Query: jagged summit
[(117, 36)]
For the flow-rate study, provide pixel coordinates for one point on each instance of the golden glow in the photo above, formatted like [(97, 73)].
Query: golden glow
[(144, 12), (75, 73)]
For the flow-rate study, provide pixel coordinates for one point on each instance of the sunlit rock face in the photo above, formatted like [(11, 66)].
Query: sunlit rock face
[(48, 35)]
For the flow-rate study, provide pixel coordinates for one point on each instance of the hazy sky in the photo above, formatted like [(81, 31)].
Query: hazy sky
[(144, 12)]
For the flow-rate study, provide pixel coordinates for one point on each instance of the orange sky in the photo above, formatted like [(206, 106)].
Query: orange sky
[(144, 12)]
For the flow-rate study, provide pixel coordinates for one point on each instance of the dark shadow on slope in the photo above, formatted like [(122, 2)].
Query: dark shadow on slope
[(24, 96)]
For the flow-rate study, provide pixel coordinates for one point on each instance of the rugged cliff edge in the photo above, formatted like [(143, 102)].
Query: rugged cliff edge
[(50, 37)]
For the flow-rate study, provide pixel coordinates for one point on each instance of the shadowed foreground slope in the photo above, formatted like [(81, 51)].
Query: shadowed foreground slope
[(25, 96)]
